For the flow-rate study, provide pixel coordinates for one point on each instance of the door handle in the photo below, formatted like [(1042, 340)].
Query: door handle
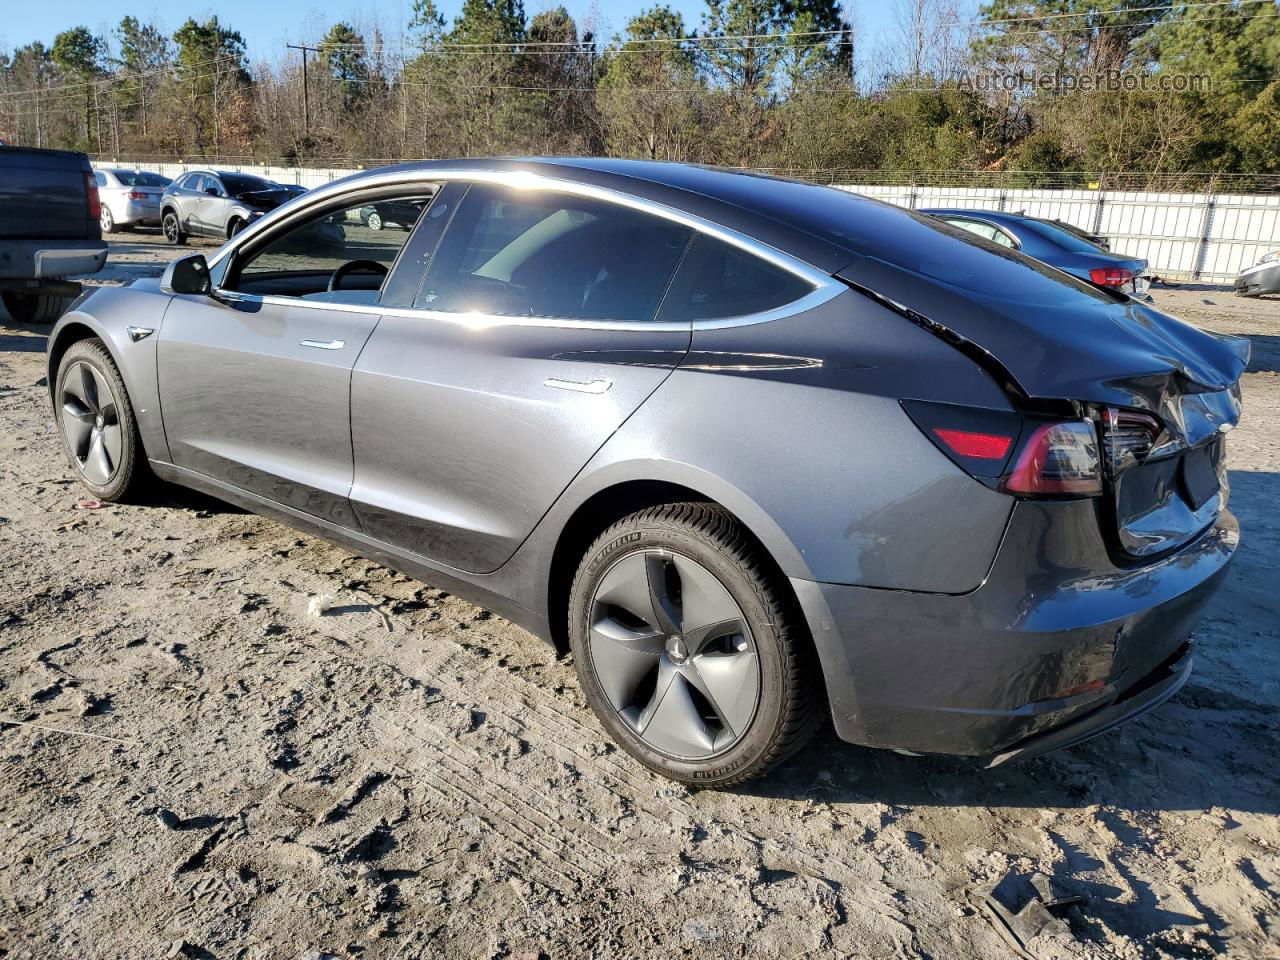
[(593, 386), (323, 344)]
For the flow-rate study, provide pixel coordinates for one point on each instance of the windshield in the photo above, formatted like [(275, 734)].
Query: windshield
[(136, 178), (1063, 238), (238, 183)]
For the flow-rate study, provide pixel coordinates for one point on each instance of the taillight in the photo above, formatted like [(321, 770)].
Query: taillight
[(1058, 459), (136, 195), (1127, 438), (95, 202), (1110, 276)]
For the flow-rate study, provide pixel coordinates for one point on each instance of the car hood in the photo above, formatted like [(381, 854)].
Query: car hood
[(1061, 339)]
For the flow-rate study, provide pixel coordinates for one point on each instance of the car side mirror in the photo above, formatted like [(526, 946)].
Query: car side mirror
[(187, 275), (211, 191)]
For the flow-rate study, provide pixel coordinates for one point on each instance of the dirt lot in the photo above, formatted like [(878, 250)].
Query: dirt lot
[(208, 771)]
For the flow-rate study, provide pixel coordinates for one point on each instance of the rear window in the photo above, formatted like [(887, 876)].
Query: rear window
[(1063, 238), (718, 280), (132, 178)]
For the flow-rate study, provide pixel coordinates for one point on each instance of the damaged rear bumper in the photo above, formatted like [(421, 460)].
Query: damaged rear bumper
[(1056, 646)]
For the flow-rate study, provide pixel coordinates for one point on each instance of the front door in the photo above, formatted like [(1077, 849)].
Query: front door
[(255, 385), (530, 341)]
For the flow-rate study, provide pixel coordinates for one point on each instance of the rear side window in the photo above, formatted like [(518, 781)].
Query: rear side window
[(546, 254), (718, 280)]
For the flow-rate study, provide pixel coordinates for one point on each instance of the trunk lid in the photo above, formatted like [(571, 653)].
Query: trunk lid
[(1052, 338)]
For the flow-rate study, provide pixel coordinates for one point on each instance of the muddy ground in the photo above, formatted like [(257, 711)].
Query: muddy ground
[(206, 770)]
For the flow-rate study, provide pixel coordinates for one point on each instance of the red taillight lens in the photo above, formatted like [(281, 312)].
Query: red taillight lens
[(95, 202), (136, 195), (1110, 276), (983, 446), (1058, 459)]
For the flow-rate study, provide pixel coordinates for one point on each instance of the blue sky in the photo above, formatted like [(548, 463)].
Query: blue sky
[(266, 26)]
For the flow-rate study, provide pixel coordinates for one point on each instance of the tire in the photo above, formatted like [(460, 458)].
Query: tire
[(172, 229), (725, 724), (374, 220), (106, 220), (35, 307), (86, 368), (235, 225)]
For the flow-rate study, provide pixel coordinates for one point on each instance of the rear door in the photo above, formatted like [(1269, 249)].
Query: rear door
[(531, 339)]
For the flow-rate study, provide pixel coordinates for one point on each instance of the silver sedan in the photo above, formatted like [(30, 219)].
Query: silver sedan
[(129, 197)]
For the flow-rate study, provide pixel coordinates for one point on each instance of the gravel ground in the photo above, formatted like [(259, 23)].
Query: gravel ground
[(206, 770)]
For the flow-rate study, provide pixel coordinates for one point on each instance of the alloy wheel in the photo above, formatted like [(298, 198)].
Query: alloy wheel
[(673, 653), (105, 220), (91, 423), (171, 228), (374, 222)]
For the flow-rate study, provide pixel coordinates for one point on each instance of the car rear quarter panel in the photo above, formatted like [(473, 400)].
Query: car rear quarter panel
[(796, 426), (107, 313)]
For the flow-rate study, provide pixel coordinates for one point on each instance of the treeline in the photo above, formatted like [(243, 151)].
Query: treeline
[(788, 84)]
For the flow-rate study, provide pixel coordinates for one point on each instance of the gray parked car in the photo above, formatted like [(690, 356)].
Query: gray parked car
[(217, 204), (129, 198), (756, 451), (1262, 278)]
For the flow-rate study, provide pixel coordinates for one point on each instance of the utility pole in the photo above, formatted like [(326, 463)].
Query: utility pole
[(306, 108)]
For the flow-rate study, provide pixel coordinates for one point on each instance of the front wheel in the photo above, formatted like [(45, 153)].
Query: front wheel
[(172, 229), (688, 651), (373, 221), (96, 421)]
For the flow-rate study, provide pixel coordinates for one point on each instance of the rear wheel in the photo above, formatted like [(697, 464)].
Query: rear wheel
[(686, 649), (106, 220), (34, 307), (374, 220), (172, 228), (95, 418)]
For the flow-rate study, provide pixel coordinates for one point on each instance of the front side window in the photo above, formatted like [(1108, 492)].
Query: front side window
[(334, 257), (546, 254), (718, 280)]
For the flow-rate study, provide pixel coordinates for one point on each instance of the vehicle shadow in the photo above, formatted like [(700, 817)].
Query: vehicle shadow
[(28, 343), (1266, 352)]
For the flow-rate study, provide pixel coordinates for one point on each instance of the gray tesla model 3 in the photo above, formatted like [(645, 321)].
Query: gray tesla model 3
[(755, 451)]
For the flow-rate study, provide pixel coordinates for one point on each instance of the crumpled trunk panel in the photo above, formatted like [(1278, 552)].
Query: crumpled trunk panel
[(1057, 339)]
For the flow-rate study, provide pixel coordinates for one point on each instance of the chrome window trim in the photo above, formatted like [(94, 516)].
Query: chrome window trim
[(487, 321), (825, 287)]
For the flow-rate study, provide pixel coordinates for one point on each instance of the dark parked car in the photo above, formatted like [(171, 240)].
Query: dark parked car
[(49, 230), (1067, 248), (217, 204), (754, 450), (379, 215)]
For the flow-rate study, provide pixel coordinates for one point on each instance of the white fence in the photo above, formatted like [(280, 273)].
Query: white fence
[(1188, 236)]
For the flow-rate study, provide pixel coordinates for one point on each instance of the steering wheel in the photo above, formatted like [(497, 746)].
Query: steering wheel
[(336, 278)]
